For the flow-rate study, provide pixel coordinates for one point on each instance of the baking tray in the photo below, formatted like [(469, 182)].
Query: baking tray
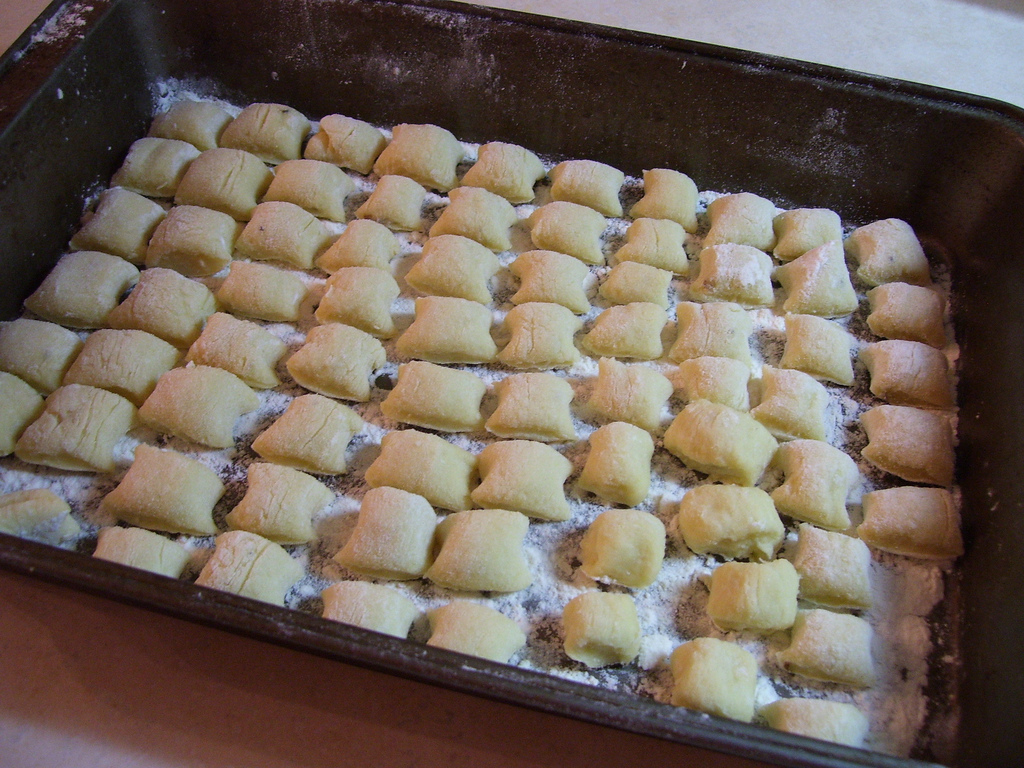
[(81, 84)]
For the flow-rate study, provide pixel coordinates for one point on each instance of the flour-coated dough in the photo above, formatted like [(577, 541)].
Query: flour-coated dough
[(22, 405), (818, 347), (428, 465), (888, 251), (452, 265), (200, 123), (435, 397), (279, 504), (154, 167), (227, 180), (507, 170), (742, 218), (835, 569), (167, 305), (479, 215), (668, 194), (139, 548), (716, 677), (272, 132), (630, 281), (624, 546), (834, 647), (757, 597), (911, 312), (834, 721), (733, 521), (601, 628), (122, 225), (195, 241), (590, 183), (909, 373), (481, 550), (38, 514), (364, 243), (251, 566), (262, 291), (360, 297), (371, 606), (618, 467), (284, 232), (82, 289), (549, 276), (718, 379), (541, 336), (533, 406), (347, 142), (818, 282), (802, 229), (241, 347), (656, 243), (396, 202), (316, 186), (634, 394), (476, 630), (126, 362), (631, 331), (792, 406), (312, 434), (718, 329), (37, 352), (818, 480), (568, 228), (425, 153), (337, 360), (913, 521), (732, 272), (911, 443), (448, 329), (524, 476)]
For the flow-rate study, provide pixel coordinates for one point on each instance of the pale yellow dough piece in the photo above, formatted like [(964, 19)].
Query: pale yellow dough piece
[(479, 215), (910, 443), (475, 630), (195, 241), (737, 273), (22, 405), (834, 647), (835, 569), (427, 465), (758, 597), (262, 291), (523, 476), (370, 606), (818, 347), (730, 520), (590, 183), (435, 397), (364, 243), (312, 435), (631, 393), (167, 305), (360, 297), (507, 170), (154, 167), (833, 721), (200, 123), (601, 628), (241, 347), (909, 373), (718, 379), (888, 251), (624, 546), (911, 312), (282, 231), (716, 677), (803, 229), (272, 132), (631, 281), (533, 406), (631, 331), (126, 362), (337, 360), (317, 187), (396, 202), (347, 142), (452, 265), (481, 550), (818, 480), (549, 276), (279, 504), (122, 225), (792, 406), (656, 243), (449, 330), (818, 283), (618, 468), (38, 514), (541, 336), (139, 548), (670, 195), (251, 566), (912, 521), (568, 228), (743, 218), (718, 329), (82, 289), (227, 180), (425, 153)]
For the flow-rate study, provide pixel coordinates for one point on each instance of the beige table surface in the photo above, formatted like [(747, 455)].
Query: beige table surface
[(88, 682)]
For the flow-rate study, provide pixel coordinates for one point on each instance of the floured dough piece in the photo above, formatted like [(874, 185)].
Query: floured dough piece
[(318, 187), (909, 373), (393, 538), (22, 405), (533, 406), (37, 352), (631, 281), (714, 676), (38, 514), (435, 397), (272, 132), (122, 225), (834, 647), (360, 297), (396, 202), (818, 282), (449, 330), (819, 348), (250, 566), (347, 142), (912, 521), (195, 241), (656, 243), (154, 167), (199, 403), (912, 444), (139, 548), (482, 551), (730, 520), (262, 291), (722, 443), (718, 329), (833, 721), (337, 360), (126, 362), (835, 569), (452, 265), (77, 430), (792, 406), (364, 243), (618, 468), (627, 330), (601, 628), (624, 546), (312, 435), (475, 630), (568, 228), (549, 276), (758, 597), (284, 232), (241, 347), (743, 218), (818, 480), (479, 215), (802, 229), (631, 393), (279, 504), (227, 180), (370, 606), (542, 336), (718, 379), (166, 491), (82, 289), (167, 305), (670, 195), (737, 273), (888, 251), (426, 153), (507, 170), (427, 465), (200, 123), (524, 476), (910, 312), (590, 183)]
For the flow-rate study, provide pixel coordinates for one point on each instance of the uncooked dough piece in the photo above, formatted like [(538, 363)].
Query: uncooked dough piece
[(312, 435), (818, 347), (370, 606), (718, 379), (166, 491), (833, 721), (624, 546), (262, 291), (818, 282), (194, 241), (360, 297), (38, 514), (337, 360), (834, 647), (227, 180), (568, 228), (631, 393), (284, 232), (549, 276), (758, 597), (714, 676), (347, 142), (167, 305), (835, 569), (524, 476), (272, 132), (533, 406), (910, 443), (139, 548), (792, 406), (475, 630), (316, 186), (364, 243), (656, 243), (200, 123), (888, 251), (82, 289), (279, 504), (631, 281), (618, 468), (427, 465), (718, 329), (447, 329), (249, 565), (199, 403), (627, 330), (154, 167), (590, 183), (803, 229), (452, 265), (22, 405), (743, 218), (435, 397), (482, 551), (77, 430), (396, 202), (425, 153), (909, 373), (601, 628), (911, 312), (37, 352), (912, 521), (730, 520), (122, 224), (722, 443), (479, 215), (393, 538), (126, 362), (542, 336), (737, 273), (818, 480), (507, 170), (670, 195)]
